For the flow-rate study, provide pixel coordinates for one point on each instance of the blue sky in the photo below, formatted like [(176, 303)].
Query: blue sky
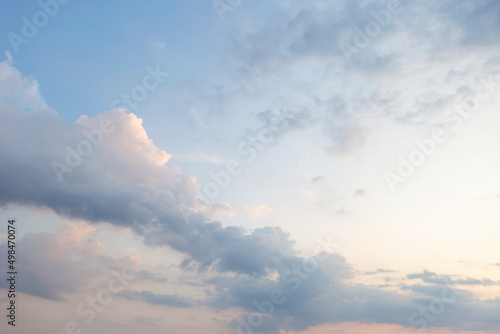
[(77, 47), (252, 166)]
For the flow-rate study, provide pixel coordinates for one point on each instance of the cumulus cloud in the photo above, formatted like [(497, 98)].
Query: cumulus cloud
[(18, 92), (124, 179)]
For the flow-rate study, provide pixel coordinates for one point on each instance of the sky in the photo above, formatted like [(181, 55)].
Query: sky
[(250, 166)]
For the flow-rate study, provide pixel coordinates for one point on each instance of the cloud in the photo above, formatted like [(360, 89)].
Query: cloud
[(157, 44), (151, 321), (18, 92), (380, 271), (157, 299), (231, 249), (360, 192), (419, 65), (433, 278), (319, 180), (126, 181), (149, 276), (55, 265), (321, 296), (430, 277), (411, 72)]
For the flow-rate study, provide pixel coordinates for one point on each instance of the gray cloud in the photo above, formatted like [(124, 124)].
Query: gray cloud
[(157, 299), (380, 271), (360, 192), (321, 180), (411, 72), (433, 278), (126, 180)]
